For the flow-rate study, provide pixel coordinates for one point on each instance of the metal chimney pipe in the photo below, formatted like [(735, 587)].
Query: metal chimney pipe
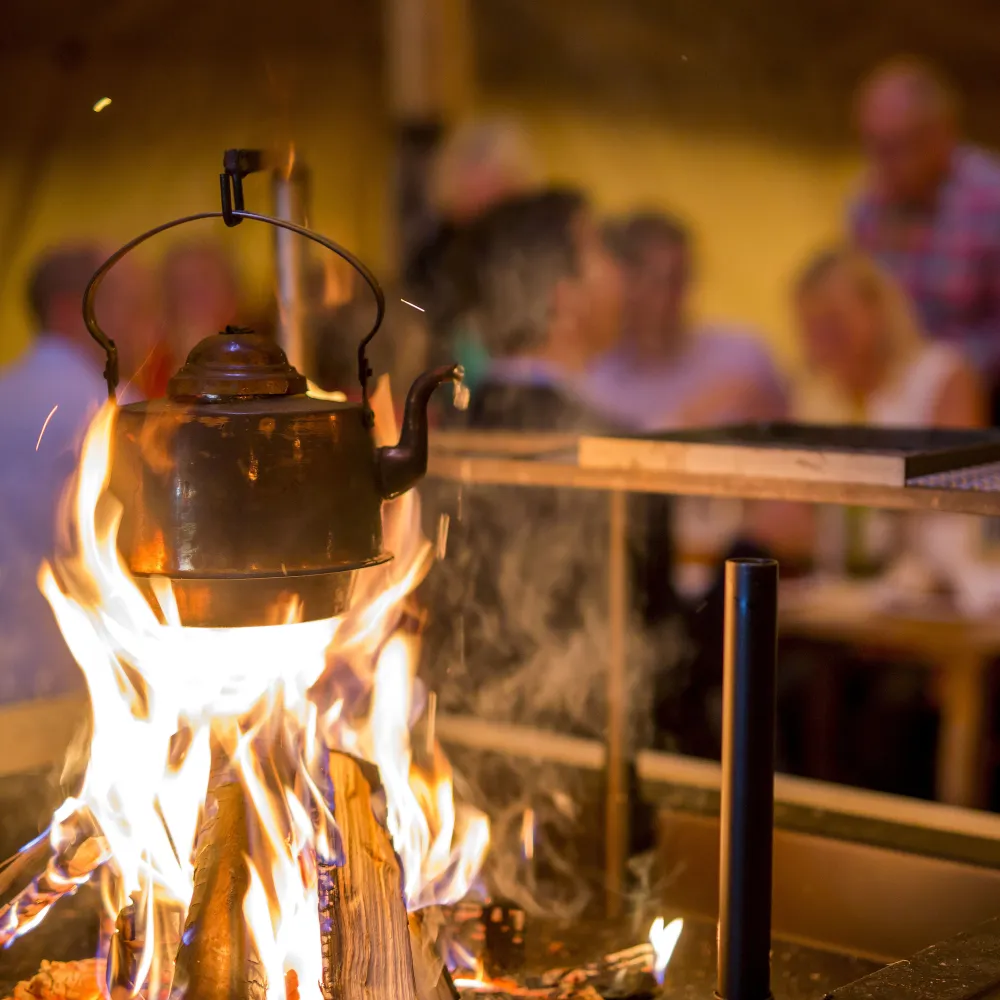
[(748, 734), (290, 194)]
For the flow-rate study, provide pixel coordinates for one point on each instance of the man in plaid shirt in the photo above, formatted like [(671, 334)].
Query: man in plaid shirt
[(930, 211)]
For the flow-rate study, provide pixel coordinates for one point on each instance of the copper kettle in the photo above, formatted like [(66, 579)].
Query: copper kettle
[(246, 492)]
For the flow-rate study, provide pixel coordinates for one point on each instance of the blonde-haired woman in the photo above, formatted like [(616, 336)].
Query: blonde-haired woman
[(872, 363), (869, 360)]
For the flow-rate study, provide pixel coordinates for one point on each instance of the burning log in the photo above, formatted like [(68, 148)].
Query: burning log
[(79, 980), (125, 972), (123, 957), (17, 873), (431, 974), (627, 973), (216, 959), (42, 875), (363, 924)]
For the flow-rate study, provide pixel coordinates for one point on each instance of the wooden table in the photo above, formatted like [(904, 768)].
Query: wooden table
[(511, 459), (959, 649)]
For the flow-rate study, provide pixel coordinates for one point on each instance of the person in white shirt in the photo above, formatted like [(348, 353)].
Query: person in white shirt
[(870, 362), (867, 356)]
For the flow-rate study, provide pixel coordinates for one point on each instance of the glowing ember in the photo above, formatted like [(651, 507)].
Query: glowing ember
[(663, 938), (478, 981), (173, 704)]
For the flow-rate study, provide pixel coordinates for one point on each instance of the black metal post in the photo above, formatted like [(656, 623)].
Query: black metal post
[(749, 657)]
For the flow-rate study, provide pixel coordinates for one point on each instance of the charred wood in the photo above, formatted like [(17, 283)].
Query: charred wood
[(216, 959)]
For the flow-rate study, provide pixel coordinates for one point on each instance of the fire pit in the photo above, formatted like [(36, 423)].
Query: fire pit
[(254, 811)]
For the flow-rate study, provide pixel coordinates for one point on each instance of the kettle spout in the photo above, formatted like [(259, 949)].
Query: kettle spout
[(402, 464)]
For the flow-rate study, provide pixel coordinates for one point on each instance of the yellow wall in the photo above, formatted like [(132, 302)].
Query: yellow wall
[(156, 151), (757, 208)]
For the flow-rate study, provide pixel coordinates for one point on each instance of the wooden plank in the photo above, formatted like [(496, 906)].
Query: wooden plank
[(366, 937), (524, 472), (667, 768), (432, 977), (885, 456), (812, 466), (503, 442)]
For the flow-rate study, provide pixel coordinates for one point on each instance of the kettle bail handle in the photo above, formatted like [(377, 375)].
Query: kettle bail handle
[(232, 214)]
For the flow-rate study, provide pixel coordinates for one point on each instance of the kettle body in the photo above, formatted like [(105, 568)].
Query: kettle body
[(256, 500)]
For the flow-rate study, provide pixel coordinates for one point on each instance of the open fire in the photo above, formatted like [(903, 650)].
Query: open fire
[(197, 728), (257, 808)]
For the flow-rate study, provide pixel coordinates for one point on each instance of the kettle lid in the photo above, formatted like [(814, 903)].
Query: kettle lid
[(236, 363)]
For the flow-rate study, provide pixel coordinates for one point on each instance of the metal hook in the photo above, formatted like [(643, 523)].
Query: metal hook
[(237, 163)]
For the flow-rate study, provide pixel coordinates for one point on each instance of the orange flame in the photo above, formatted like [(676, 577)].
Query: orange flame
[(163, 696), (664, 937)]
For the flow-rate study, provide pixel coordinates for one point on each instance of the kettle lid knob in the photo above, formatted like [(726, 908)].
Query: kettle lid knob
[(235, 363)]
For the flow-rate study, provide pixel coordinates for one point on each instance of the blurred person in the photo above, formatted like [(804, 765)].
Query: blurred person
[(518, 628), (547, 302), (868, 361), (57, 385), (668, 371), (930, 209), (129, 311), (871, 363), (481, 163)]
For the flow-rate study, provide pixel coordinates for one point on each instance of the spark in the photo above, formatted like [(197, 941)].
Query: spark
[(442, 536), (52, 413), (124, 389), (102, 103), (413, 305)]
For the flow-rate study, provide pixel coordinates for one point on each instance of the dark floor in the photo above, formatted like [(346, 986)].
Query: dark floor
[(798, 973)]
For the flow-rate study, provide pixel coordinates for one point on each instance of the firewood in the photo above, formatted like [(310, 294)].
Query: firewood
[(17, 873), (126, 946), (216, 959), (366, 937), (37, 886), (431, 974), (80, 980), (626, 973)]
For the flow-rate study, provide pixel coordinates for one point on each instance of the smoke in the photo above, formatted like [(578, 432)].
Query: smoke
[(518, 632)]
